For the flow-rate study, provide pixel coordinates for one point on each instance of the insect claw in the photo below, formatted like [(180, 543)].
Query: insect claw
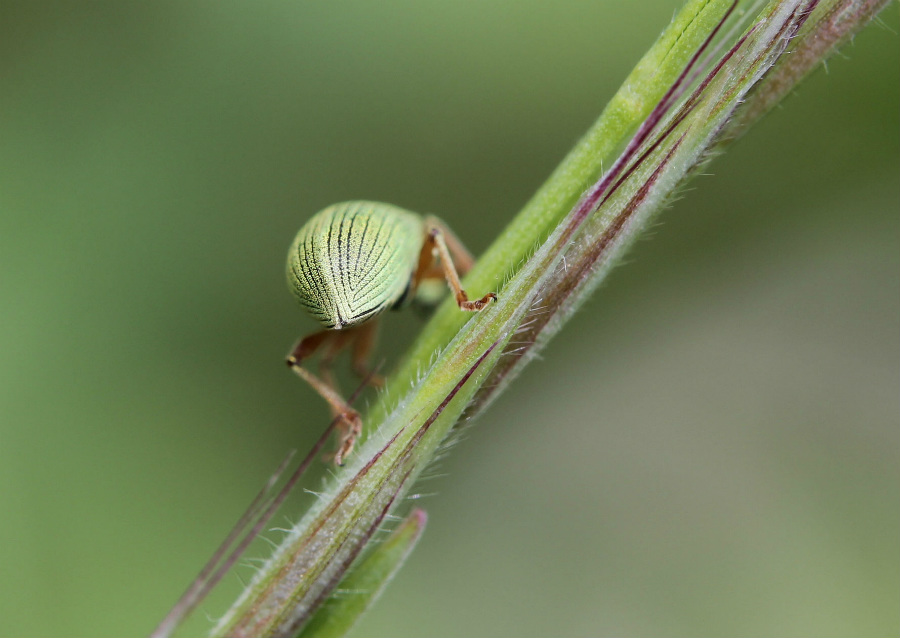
[(350, 425), (478, 304), (331, 457)]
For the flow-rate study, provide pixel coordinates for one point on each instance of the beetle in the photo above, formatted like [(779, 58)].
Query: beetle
[(349, 263)]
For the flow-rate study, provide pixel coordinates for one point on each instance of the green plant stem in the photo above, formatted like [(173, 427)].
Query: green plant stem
[(583, 221), (635, 99)]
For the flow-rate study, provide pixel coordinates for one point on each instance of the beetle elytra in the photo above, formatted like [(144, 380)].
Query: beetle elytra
[(349, 263)]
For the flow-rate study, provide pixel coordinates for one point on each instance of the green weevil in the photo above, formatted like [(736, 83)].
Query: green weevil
[(349, 263)]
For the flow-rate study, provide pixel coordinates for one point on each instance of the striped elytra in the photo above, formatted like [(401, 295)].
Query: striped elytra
[(351, 261)]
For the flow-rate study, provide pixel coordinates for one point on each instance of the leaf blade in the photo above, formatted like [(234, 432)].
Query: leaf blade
[(358, 591)]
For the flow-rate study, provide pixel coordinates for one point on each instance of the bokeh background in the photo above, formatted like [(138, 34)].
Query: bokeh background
[(711, 447)]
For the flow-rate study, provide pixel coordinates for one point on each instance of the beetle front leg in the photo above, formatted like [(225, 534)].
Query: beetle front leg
[(362, 348), (350, 423)]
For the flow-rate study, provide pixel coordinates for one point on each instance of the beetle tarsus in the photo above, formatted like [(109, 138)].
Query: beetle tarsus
[(478, 304), (350, 426)]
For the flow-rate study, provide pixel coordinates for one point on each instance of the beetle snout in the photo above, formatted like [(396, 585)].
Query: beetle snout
[(340, 321)]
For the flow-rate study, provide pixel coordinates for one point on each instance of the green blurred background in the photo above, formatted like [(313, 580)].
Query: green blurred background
[(709, 449)]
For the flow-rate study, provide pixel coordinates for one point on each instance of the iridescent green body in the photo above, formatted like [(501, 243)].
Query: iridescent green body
[(352, 261)]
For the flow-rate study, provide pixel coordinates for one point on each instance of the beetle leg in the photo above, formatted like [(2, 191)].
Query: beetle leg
[(443, 242), (462, 258), (350, 423), (362, 348), (337, 341)]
